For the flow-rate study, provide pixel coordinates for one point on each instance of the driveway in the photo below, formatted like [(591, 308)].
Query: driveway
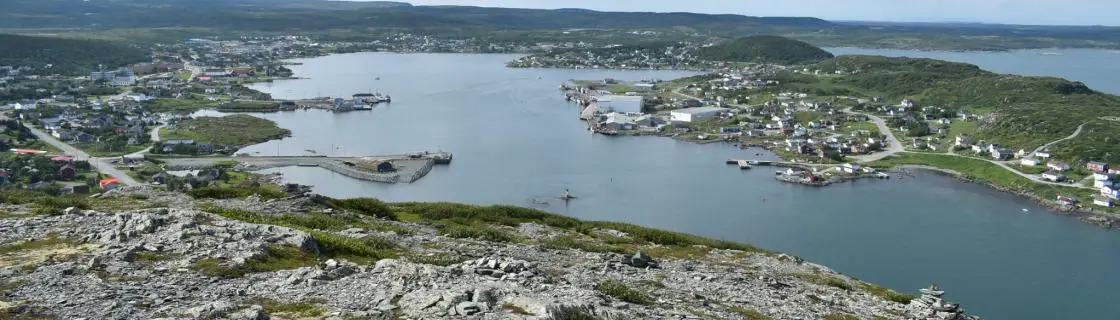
[(102, 165), (893, 145)]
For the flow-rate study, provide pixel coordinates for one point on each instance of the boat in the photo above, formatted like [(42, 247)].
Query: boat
[(567, 196), (377, 78), (306, 165), (442, 157)]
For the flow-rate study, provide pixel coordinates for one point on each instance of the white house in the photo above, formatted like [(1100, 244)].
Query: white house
[(1029, 162), (1102, 184), (1112, 193), (1101, 176), (1053, 176), (1043, 154), (1102, 201), (1058, 166), (964, 141), (695, 114), (618, 121), (850, 167)]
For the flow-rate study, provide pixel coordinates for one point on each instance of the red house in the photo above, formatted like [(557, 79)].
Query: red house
[(1097, 166)]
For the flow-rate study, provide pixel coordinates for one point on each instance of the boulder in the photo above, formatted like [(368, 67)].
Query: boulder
[(254, 312)]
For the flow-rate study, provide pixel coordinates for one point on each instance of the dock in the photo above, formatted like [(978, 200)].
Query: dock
[(405, 168)]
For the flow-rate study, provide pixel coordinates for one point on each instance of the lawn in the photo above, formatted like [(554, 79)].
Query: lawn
[(806, 116), (181, 105), (185, 76), (982, 171), (97, 149), (235, 130), (861, 125)]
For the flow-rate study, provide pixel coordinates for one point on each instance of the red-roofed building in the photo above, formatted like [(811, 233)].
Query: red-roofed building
[(63, 158), (110, 183)]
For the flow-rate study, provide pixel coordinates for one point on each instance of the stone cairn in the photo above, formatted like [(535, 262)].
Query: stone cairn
[(931, 305)]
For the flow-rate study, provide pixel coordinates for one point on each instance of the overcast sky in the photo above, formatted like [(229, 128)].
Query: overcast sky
[(1049, 12)]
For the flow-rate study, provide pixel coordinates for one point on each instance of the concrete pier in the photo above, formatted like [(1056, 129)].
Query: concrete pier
[(406, 169)]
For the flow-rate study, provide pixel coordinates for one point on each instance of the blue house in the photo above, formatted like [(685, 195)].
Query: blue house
[(84, 137)]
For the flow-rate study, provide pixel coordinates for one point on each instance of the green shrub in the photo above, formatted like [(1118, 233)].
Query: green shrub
[(620, 291), (750, 314), (570, 242), (365, 206), (49, 241), (478, 231), (235, 193), (886, 293), (301, 309), (441, 259), (282, 257), (838, 316), (358, 250), (568, 312)]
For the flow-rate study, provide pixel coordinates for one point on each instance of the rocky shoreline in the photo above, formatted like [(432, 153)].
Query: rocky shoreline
[(1104, 220), (142, 254)]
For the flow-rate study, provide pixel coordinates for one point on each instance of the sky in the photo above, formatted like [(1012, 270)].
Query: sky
[(1035, 12)]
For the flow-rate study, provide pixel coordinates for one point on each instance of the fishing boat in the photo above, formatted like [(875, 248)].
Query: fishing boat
[(442, 157)]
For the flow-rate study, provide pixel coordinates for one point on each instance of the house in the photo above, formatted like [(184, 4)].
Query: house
[(859, 148), (1101, 176), (84, 137), (1102, 201), (1043, 154), (1058, 166), (1001, 154), (695, 114), (918, 144), (243, 72), (206, 147), (1112, 193), (726, 130), (215, 72), (67, 173), (1097, 166), (79, 189), (977, 148), (850, 168), (1021, 153), (1053, 176), (1029, 162), (1101, 184)]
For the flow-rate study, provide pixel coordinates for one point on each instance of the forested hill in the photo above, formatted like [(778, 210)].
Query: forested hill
[(771, 49), (1024, 112), (323, 14), (66, 56)]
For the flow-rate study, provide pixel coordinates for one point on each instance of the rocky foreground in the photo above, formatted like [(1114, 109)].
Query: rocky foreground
[(141, 254)]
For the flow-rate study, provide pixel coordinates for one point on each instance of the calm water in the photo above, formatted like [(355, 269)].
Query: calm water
[(514, 139)]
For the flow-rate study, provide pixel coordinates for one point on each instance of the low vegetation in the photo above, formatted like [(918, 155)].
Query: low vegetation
[(43, 203), (768, 49), (825, 280), (621, 291), (297, 310), (886, 294), (274, 258), (358, 250), (65, 56), (234, 193), (750, 314), (839, 316), (232, 130), (50, 241)]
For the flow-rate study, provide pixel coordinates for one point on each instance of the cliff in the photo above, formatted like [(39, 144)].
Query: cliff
[(138, 254)]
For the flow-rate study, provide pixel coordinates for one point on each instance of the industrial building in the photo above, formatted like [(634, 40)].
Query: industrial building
[(695, 114)]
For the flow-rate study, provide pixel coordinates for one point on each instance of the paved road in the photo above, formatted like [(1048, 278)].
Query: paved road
[(101, 165), (1074, 135), (893, 145), (154, 137)]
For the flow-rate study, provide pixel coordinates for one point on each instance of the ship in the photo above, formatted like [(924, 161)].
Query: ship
[(442, 157)]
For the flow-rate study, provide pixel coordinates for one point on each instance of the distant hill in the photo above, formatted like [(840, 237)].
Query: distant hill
[(1026, 112), (323, 14), (770, 49), (67, 56)]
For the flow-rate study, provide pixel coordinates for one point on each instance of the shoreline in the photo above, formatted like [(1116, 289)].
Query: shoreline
[(1106, 221)]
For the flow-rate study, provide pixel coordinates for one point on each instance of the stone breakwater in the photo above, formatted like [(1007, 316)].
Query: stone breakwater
[(143, 263)]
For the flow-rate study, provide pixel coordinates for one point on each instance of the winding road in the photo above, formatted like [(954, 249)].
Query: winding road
[(101, 164), (893, 145), (1074, 135)]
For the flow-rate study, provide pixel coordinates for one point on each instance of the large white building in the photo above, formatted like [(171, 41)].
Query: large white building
[(695, 114), (622, 104)]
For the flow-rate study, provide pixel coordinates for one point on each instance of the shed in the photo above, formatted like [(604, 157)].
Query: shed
[(67, 172)]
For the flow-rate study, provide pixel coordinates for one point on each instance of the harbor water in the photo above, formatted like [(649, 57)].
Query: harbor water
[(516, 140)]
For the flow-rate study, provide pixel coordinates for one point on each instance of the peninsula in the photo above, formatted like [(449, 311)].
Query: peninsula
[(1042, 137)]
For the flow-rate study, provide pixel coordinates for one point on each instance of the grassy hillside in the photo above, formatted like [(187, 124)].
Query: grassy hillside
[(1026, 112), (67, 56), (771, 49), (237, 130)]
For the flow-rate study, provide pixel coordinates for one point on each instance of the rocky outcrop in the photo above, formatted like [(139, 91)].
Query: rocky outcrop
[(145, 263)]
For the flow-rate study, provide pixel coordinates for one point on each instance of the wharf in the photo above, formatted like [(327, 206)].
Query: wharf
[(406, 168)]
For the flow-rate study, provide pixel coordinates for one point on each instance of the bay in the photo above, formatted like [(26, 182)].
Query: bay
[(515, 139)]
